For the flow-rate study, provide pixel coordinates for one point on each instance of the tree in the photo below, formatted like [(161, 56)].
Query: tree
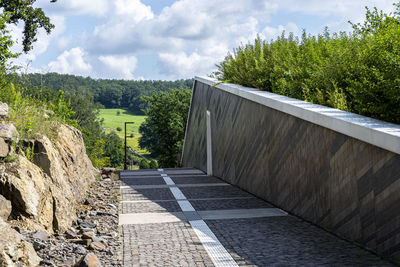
[(164, 129), (34, 18), (113, 149)]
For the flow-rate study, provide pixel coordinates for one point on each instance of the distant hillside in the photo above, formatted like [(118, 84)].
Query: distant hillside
[(109, 93)]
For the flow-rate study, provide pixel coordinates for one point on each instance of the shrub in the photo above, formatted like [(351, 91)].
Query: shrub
[(119, 129), (357, 72), (144, 164), (153, 164)]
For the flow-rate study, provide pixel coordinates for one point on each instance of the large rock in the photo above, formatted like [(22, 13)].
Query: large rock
[(13, 250), (3, 110), (8, 131), (4, 148), (46, 191), (29, 191), (5, 208)]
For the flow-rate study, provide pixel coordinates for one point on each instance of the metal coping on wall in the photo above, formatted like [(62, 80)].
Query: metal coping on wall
[(379, 133)]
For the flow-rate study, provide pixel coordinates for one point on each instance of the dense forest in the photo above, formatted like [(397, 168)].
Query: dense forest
[(110, 93)]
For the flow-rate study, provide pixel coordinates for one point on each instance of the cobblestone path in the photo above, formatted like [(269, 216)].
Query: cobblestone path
[(181, 217)]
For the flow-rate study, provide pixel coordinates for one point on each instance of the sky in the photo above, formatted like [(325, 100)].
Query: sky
[(167, 39)]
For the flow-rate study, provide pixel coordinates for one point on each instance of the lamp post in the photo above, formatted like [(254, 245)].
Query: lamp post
[(125, 160)]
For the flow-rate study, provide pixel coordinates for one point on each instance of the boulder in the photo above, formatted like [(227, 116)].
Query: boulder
[(8, 131), (13, 250), (45, 192), (4, 148), (5, 208), (29, 191), (3, 110)]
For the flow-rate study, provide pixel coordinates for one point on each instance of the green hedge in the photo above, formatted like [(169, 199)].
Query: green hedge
[(357, 72)]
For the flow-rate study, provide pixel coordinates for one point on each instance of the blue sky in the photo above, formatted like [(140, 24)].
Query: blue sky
[(166, 39)]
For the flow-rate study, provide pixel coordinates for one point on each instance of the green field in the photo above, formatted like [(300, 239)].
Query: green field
[(112, 121)]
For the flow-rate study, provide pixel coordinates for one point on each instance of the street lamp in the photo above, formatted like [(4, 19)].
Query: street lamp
[(125, 160)]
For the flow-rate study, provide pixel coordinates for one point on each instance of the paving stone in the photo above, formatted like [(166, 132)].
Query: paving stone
[(226, 204), (162, 206), (167, 244), (287, 241), (183, 172), (213, 191), (142, 194), (143, 181), (196, 180)]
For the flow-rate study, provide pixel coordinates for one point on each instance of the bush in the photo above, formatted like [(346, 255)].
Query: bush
[(119, 129), (144, 164), (357, 72), (153, 164)]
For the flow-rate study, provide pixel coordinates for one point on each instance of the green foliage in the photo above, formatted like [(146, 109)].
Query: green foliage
[(33, 18), (110, 93), (153, 164), (113, 148), (119, 129), (357, 72), (164, 129), (144, 164), (96, 154)]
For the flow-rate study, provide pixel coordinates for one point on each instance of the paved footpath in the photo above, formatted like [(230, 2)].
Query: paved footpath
[(181, 217)]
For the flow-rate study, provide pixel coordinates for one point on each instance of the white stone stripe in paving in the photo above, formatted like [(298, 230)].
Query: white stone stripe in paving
[(160, 170), (163, 174), (177, 193), (215, 250), (218, 254), (168, 181), (185, 205)]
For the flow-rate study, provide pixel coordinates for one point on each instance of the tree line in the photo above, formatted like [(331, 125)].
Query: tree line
[(109, 93)]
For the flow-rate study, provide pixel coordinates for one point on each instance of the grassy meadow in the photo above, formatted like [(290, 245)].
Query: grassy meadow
[(112, 121)]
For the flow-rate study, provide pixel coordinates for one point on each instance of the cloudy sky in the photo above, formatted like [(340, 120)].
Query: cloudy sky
[(167, 39)]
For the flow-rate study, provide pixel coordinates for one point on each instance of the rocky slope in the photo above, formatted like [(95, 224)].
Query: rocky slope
[(42, 193)]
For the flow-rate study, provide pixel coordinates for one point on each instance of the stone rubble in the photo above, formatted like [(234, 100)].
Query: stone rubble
[(93, 240)]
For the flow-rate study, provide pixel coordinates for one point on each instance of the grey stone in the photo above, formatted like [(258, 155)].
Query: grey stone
[(4, 110), (5, 208), (97, 246), (71, 234), (8, 131), (38, 245), (80, 250), (41, 235), (88, 235), (89, 260), (4, 148), (87, 225)]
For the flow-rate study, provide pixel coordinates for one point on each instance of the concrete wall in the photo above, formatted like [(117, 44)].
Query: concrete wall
[(335, 169)]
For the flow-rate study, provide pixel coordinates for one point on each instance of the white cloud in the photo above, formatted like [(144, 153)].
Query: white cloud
[(134, 9), (269, 33), (188, 37), (71, 61), (181, 65), (119, 66)]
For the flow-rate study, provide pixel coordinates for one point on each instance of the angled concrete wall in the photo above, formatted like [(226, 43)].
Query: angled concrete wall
[(335, 169)]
